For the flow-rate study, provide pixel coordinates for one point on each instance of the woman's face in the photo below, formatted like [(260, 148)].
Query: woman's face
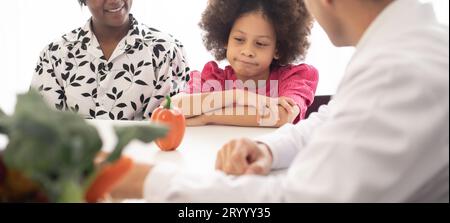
[(112, 13), (251, 45)]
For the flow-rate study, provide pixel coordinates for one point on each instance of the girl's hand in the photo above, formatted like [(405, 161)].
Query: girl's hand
[(199, 120), (287, 103), (290, 106), (272, 115)]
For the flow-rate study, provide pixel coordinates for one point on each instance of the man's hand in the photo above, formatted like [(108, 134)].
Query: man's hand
[(244, 156), (132, 185)]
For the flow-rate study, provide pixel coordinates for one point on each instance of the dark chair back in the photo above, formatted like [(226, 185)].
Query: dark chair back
[(318, 101)]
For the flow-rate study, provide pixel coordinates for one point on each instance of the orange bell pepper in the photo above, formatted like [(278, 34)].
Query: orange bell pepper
[(176, 122)]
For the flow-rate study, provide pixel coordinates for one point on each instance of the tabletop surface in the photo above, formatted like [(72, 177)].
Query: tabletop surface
[(197, 151)]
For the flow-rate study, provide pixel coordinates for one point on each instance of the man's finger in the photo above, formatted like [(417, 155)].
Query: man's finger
[(238, 161), (257, 168), (219, 160), (254, 169), (221, 155)]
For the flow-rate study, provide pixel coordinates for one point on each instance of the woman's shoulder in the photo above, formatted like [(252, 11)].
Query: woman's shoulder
[(80, 34), (155, 36), (63, 41), (75, 34), (151, 35)]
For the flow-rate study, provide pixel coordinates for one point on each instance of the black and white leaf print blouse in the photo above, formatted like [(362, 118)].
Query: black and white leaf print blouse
[(73, 75)]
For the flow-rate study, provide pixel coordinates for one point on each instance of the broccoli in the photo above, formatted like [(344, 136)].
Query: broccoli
[(57, 149)]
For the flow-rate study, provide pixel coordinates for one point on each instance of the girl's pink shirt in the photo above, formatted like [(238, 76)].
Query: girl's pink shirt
[(298, 82)]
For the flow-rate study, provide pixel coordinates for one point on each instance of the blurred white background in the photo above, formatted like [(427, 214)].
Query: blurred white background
[(26, 26)]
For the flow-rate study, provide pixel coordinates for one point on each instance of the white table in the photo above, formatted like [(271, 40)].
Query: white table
[(197, 151)]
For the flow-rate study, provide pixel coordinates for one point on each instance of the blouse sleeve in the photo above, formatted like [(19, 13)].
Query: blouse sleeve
[(46, 82), (170, 76), (299, 83)]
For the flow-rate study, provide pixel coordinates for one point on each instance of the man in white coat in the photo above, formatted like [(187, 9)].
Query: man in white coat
[(383, 138)]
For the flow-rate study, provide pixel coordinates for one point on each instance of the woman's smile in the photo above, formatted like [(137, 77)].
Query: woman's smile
[(116, 9)]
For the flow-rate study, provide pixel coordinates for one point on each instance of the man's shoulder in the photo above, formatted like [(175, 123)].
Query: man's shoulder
[(416, 50), (396, 77)]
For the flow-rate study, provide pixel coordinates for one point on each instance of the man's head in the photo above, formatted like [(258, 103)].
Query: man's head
[(345, 21)]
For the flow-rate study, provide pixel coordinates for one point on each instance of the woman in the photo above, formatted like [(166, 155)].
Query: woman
[(111, 68)]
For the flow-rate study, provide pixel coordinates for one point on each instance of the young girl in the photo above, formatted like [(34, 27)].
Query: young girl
[(259, 38)]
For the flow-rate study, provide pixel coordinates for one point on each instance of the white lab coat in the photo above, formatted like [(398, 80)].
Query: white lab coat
[(383, 138)]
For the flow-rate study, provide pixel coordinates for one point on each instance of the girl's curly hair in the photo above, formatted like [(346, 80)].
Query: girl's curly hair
[(292, 24)]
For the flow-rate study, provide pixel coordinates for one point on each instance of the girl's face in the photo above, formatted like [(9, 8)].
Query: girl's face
[(112, 13), (251, 46)]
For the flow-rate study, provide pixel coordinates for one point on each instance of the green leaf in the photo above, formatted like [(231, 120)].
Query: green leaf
[(125, 135), (4, 122)]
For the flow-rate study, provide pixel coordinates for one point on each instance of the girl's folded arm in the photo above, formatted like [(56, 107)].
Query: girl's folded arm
[(200, 103), (246, 116)]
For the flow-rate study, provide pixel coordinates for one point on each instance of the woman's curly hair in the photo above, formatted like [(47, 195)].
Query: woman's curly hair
[(292, 24)]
